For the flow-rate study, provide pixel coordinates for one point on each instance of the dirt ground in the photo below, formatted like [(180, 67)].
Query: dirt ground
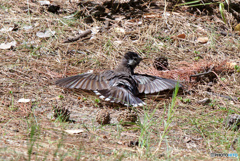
[(46, 46)]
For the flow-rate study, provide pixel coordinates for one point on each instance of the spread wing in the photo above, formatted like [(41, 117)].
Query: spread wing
[(152, 84), (86, 81)]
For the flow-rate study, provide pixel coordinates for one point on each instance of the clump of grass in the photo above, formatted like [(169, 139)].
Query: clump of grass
[(33, 136), (146, 126), (170, 114)]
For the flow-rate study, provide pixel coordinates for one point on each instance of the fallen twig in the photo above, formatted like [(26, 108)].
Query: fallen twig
[(84, 34)]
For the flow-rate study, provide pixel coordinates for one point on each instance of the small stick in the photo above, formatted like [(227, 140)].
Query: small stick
[(200, 74), (84, 34)]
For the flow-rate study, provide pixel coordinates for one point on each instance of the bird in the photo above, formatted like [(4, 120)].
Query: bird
[(120, 85)]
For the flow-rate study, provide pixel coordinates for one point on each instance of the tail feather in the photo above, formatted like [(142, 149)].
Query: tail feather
[(120, 95)]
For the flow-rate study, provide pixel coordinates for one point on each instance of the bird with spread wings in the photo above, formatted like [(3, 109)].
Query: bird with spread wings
[(120, 85)]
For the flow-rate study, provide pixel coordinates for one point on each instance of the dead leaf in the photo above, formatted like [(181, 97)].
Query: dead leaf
[(117, 42), (120, 143), (231, 65), (95, 30), (43, 3), (8, 45), (12, 28), (202, 40), (77, 131), (89, 71), (6, 29), (237, 28), (152, 15), (182, 36), (134, 21), (24, 100), (119, 30), (27, 27), (46, 34)]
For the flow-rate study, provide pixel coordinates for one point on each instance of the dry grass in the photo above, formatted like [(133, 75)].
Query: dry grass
[(30, 69)]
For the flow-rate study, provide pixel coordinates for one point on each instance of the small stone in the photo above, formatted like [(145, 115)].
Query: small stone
[(127, 117), (103, 117)]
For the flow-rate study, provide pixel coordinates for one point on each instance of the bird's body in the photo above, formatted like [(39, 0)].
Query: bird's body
[(120, 85)]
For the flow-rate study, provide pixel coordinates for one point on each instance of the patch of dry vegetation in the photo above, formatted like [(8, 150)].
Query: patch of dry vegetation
[(184, 129)]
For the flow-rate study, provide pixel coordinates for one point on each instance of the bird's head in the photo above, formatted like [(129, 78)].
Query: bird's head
[(131, 59)]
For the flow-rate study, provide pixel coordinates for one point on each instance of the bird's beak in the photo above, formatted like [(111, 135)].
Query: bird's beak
[(141, 59)]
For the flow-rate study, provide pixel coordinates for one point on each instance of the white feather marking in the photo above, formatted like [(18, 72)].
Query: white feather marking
[(135, 105), (130, 61), (107, 99), (97, 93), (90, 71), (102, 97)]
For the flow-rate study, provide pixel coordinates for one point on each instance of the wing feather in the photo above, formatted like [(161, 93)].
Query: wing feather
[(153, 84), (87, 81)]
